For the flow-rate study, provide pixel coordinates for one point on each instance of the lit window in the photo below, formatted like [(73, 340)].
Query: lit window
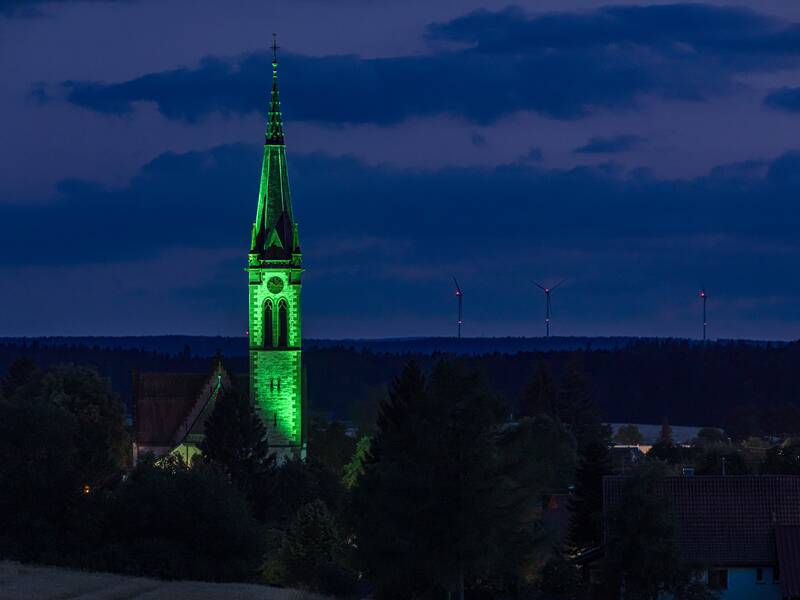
[(283, 325), (268, 324)]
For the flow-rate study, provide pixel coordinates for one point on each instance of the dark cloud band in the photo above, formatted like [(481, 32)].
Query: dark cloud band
[(561, 65)]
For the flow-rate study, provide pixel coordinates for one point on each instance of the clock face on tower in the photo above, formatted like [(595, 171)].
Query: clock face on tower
[(275, 285)]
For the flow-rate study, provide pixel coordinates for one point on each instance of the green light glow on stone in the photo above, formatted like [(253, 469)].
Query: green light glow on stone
[(274, 270)]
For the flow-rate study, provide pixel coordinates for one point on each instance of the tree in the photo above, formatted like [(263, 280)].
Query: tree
[(40, 478), (541, 394), (314, 549), (629, 435), (329, 443), (102, 443), (424, 507), (587, 503), (642, 550), (666, 451), (783, 459), (665, 435), (535, 456), (172, 521), (355, 468), (561, 580), (294, 484), (721, 461), (21, 372), (236, 441), (710, 436), (576, 409)]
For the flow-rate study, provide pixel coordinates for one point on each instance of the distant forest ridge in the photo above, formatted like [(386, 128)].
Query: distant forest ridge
[(632, 380), (237, 346)]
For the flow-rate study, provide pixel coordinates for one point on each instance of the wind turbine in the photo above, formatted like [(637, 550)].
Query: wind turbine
[(547, 291), (704, 297), (460, 296)]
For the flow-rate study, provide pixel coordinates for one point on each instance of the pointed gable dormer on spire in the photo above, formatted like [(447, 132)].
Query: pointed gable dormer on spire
[(274, 235)]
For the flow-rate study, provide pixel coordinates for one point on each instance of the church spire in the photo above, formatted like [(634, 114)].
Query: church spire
[(275, 124), (274, 235)]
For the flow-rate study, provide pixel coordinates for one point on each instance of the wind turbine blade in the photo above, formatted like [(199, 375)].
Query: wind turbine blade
[(456, 282), (539, 285), (558, 284)]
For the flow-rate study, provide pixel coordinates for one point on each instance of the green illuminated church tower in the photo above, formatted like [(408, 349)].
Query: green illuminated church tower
[(274, 269)]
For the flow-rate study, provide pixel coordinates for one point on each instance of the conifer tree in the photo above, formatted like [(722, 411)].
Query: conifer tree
[(236, 440), (425, 507), (586, 505), (313, 541), (541, 394), (665, 435), (629, 435), (355, 468), (577, 411), (21, 372), (643, 555)]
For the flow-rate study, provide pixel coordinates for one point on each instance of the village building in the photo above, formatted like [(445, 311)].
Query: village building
[(741, 532)]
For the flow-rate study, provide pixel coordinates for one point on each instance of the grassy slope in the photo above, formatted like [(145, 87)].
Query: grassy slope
[(28, 582)]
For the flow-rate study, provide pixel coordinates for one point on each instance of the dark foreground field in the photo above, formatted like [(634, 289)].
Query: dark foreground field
[(27, 582)]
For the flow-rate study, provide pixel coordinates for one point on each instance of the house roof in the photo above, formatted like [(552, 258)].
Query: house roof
[(170, 406), (162, 402), (787, 540), (726, 521)]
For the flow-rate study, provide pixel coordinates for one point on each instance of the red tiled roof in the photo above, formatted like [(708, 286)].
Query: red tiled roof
[(161, 402), (726, 521), (787, 540)]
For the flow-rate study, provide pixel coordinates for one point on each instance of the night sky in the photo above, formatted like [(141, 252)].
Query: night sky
[(639, 150)]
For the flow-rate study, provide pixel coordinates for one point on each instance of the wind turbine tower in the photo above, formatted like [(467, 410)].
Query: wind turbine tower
[(704, 298), (460, 297), (547, 291)]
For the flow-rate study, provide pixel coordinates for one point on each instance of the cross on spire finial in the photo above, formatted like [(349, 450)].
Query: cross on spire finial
[(275, 47), (275, 125)]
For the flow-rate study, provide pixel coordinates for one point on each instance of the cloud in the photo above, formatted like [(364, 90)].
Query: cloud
[(477, 139), (206, 199), (606, 229), (484, 66), (609, 145), (699, 27), (535, 154), (786, 98), (31, 8)]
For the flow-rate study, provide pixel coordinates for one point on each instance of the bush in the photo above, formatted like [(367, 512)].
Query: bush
[(313, 551), (559, 579), (174, 522)]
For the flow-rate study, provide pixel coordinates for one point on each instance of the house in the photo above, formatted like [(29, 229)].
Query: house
[(742, 531)]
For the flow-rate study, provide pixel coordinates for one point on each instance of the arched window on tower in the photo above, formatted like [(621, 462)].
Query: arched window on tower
[(283, 324), (268, 335)]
